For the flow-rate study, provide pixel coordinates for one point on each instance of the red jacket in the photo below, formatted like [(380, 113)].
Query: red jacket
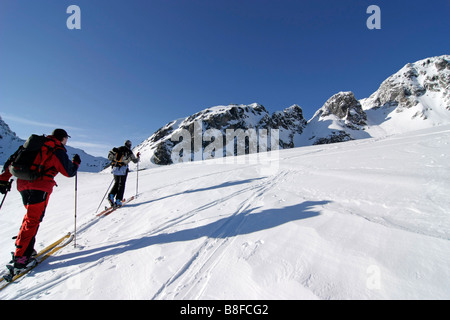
[(58, 162)]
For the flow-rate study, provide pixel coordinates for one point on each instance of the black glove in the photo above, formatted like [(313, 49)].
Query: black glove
[(5, 186), (76, 159)]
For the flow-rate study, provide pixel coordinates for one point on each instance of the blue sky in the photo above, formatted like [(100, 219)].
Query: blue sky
[(136, 65)]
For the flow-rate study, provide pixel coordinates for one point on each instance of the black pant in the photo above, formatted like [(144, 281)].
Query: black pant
[(118, 188)]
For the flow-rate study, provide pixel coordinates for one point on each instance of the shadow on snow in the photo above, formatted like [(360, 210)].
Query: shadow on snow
[(242, 223)]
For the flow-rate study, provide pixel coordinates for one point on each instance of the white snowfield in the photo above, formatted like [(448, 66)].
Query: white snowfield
[(365, 219)]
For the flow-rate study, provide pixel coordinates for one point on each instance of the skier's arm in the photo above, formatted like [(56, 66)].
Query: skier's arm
[(64, 165), (5, 175), (134, 158)]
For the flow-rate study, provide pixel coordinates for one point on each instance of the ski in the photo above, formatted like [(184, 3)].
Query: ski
[(40, 257), (109, 210)]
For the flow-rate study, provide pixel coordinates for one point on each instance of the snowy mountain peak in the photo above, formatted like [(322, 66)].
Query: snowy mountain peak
[(416, 97), (232, 115), (424, 84), (5, 130), (344, 106), (9, 141)]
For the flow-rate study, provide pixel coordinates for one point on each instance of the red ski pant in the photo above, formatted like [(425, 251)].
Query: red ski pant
[(35, 201)]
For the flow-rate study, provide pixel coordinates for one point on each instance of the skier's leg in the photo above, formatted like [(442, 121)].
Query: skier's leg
[(121, 188), (35, 202)]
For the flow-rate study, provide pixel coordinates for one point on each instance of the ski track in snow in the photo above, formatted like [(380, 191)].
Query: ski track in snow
[(196, 271)]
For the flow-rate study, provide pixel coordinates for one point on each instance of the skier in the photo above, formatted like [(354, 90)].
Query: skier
[(35, 196), (120, 158)]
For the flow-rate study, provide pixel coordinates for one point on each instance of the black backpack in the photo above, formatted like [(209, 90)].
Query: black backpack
[(28, 162), (116, 156)]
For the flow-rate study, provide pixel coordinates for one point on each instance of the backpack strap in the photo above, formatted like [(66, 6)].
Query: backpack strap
[(116, 156), (12, 158)]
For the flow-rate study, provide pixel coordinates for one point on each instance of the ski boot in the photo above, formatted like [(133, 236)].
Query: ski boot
[(33, 255), (20, 265)]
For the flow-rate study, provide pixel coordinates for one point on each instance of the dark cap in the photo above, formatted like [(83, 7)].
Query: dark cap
[(60, 134)]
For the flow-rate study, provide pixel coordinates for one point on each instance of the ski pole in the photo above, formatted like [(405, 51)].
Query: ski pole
[(3, 200), (76, 196), (137, 178), (7, 190), (105, 195)]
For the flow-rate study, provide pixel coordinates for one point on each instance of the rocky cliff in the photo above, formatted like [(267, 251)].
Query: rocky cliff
[(212, 123)]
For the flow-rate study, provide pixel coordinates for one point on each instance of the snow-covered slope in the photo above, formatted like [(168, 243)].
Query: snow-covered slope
[(364, 219)]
